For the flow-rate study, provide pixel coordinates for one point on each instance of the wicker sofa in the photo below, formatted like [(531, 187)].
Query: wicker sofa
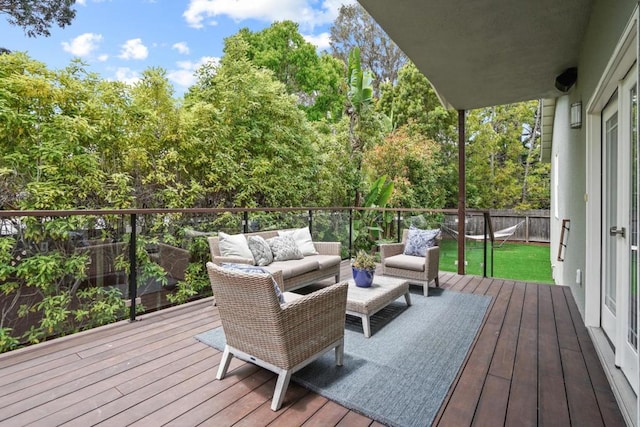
[(296, 273)]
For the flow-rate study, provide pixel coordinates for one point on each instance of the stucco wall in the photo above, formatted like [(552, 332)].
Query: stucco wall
[(576, 165), (570, 204)]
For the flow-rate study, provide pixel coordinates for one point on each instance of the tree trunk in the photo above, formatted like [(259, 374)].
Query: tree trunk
[(531, 142)]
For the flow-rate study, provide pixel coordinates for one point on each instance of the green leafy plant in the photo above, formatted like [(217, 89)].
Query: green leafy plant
[(368, 229), (364, 261)]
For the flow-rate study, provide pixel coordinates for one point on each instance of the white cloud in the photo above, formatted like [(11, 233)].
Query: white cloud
[(181, 47), (320, 41), (82, 45), (84, 2), (185, 74), (103, 57), (134, 49), (301, 11), (127, 75)]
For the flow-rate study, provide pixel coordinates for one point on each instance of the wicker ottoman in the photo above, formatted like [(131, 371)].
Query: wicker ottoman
[(364, 302)]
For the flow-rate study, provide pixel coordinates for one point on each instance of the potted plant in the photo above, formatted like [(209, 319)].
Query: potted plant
[(363, 268)]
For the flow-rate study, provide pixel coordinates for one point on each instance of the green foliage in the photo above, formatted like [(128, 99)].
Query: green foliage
[(359, 101), (7, 341), (369, 225), (355, 28), (250, 136), (314, 80), (364, 261), (499, 162), (410, 160), (36, 17), (360, 89)]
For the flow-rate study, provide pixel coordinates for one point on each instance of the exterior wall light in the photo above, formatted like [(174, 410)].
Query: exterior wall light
[(576, 115)]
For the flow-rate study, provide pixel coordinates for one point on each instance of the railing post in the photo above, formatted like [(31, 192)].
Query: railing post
[(310, 219), (350, 233), (245, 221), (398, 230), (133, 273), (462, 191), (484, 249)]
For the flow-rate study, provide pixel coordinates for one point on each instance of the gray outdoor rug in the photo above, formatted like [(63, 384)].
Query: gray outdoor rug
[(400, 375)]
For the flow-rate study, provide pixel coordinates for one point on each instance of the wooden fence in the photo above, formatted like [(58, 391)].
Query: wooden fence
[(534, 228)]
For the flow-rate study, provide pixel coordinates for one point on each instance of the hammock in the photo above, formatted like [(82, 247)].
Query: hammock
[(505, 233)]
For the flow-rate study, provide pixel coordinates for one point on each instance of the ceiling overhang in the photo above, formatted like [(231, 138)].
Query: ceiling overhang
[(487, 52)]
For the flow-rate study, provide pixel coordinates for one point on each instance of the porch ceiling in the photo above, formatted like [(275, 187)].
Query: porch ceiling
[(487, 52)]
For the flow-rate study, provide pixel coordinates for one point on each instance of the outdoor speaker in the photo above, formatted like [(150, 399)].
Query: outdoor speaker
[(567, 79)]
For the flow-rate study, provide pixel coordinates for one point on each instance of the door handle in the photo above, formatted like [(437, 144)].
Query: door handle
[(613, 231)]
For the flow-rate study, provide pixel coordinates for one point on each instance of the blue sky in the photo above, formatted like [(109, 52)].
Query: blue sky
[(118, 39)]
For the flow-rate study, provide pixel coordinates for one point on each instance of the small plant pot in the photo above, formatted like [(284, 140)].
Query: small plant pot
[(363, 278)]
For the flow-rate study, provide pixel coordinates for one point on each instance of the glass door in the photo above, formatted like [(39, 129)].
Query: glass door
[(619, 302)]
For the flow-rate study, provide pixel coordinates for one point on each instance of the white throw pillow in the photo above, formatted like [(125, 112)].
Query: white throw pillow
[(234, 245), (302, 237)]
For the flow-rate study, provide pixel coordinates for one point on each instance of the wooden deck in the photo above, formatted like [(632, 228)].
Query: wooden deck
[(533, 363)]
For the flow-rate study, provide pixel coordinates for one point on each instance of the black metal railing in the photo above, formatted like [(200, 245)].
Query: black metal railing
[(151, 258)]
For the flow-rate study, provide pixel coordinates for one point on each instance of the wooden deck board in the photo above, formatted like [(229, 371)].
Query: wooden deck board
[(532, 351), (552, 396), (462, 405), (607, 405), (522, 409)]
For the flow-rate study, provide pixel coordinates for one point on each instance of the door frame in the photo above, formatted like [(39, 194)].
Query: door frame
[(621, 61)]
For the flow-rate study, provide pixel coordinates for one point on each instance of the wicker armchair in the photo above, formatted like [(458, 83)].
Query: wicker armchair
[(280, 338), (417, 270)]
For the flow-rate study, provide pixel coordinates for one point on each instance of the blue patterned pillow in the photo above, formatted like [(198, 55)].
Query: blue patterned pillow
[(419, 240), (249, 269)]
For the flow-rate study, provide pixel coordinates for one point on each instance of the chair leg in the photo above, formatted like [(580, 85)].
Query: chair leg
[(339, 353), (281, 389), (224, 363), (437, 282)]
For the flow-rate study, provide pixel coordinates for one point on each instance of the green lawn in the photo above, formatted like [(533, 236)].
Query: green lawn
[(515, 261)]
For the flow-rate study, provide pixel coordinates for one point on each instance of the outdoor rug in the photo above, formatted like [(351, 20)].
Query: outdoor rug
[(401, 375)]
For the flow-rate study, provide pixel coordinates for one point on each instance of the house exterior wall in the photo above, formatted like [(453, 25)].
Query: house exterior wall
[(568, 184), (578, 153)]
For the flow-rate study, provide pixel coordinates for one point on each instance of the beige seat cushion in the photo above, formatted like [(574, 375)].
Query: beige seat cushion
[(292, 268), (405, 262), (325, 261)]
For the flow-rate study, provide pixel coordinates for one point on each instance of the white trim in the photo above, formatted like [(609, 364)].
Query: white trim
[(619, 386), (620, 62)]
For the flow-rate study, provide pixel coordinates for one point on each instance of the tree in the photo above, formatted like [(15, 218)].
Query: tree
[(359, 102), (314, 80), (36, 17), (354, 27), (248, 137), (502, 168), (46, 162), (410, 160), (412, 102)]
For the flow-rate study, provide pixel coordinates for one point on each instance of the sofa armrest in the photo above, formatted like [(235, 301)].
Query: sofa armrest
[(432, 257), (323, 309), (328, 248), (390, 249)]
